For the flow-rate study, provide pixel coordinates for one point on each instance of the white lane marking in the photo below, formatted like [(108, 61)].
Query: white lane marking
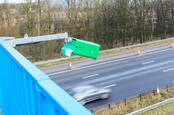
[(116, 79), (107, 62), (127, 73), (109, 86), (148, 62), (90, 76), (171, 69)]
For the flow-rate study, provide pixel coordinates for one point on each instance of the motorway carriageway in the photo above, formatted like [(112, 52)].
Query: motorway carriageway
[(126, 77)]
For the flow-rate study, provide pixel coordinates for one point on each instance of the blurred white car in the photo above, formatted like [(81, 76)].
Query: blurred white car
[(88, 93)]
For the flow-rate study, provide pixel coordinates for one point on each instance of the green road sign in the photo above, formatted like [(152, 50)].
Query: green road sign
[(81, 47), (67, 49)]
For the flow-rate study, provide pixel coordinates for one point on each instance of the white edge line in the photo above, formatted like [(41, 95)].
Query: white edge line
[(108, 62), (90, 76), (109, 86), (148, 62), (171, 69)]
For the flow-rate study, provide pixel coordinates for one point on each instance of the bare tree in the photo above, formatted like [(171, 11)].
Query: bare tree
[(29, 12), (39, 16)]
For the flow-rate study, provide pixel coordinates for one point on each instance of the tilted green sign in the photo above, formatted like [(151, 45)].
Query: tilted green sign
[(82, 48)]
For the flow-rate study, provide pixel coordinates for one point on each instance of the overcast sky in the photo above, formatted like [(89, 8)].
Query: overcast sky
[(14, 1), (21, 1), (53, 2)]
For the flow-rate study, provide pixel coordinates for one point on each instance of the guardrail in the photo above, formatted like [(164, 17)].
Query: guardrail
[(139, 97), (152, 107), (104, 51), (25, 90)]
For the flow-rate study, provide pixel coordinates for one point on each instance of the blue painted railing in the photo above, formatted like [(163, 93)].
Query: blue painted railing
[(25, 90)]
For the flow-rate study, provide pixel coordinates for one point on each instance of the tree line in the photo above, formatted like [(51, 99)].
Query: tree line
[(111, 23)]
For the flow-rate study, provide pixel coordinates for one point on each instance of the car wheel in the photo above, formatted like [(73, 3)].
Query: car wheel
[(82, 102), (104, 96)]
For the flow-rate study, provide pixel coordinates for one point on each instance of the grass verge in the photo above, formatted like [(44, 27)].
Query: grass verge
[(101, 54), (163, 110), (122, 109)]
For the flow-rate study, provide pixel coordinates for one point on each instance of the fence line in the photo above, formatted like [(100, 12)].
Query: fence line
[(152, 107), (139, 96)]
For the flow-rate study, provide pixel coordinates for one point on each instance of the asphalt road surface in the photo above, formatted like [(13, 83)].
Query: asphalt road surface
[(126, 77)]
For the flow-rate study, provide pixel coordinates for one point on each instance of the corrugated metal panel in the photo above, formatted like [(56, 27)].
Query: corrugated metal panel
[(25, 90)]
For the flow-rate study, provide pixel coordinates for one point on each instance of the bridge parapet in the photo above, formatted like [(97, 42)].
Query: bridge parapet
[(25, 90)]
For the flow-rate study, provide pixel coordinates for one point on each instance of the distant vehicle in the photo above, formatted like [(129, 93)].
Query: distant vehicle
[(88, 93)]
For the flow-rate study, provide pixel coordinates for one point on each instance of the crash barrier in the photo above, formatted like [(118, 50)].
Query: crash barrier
[(148, 108), (25, 90), (137, 97), (108, 50)]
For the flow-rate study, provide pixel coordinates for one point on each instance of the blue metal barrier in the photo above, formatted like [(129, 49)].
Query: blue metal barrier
[(25, 90)]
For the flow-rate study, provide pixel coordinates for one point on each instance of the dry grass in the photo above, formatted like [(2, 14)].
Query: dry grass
[(136, 104), (163, 110), (61, 62)]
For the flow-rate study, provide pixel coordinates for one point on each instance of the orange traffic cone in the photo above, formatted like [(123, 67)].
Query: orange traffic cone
[(139, 52), (157, 92), (171, 45), (70, 65)]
